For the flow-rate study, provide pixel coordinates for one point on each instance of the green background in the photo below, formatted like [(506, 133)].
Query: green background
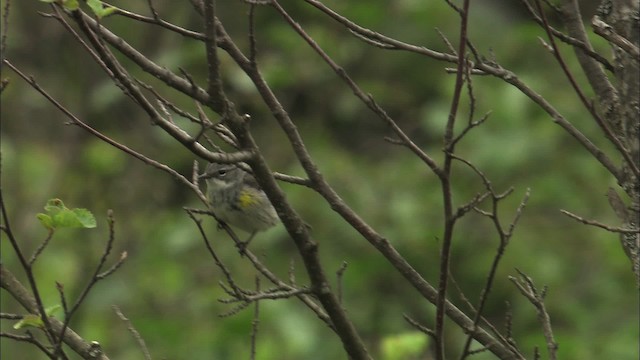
[(168, 286)]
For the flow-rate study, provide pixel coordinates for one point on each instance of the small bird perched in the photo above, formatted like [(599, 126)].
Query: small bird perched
[(236, 198)]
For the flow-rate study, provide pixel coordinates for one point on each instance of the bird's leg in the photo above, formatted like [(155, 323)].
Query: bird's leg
[(221, 225), (242, 245)]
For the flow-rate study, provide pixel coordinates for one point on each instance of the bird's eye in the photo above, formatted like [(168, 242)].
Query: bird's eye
[(222, 172)]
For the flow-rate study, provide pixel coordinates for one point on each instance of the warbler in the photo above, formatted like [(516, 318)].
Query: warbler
[(236, 198)]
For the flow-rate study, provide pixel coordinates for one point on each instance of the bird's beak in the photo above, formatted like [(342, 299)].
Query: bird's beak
[(205, 175)]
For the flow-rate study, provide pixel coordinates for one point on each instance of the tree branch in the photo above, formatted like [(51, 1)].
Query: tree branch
[(83, 348), (445, 183), (608, 33)]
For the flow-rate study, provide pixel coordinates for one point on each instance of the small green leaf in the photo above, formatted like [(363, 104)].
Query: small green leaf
[(108, 11), (100, 9), (70, 5), (29, 320), (85, 217), (95, 5), (54, 205), (45, 220), (66, 218), (33, 320), (60, 216), (52, 310)]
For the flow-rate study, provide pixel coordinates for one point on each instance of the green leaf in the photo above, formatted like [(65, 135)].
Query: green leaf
[(85, 217), (108, 11), (54, 206), (70, 4), (52, 310), (45, 220), (95, 5), (29, 320), (32, 320), (66, 218), (59, 216), (99, 8)]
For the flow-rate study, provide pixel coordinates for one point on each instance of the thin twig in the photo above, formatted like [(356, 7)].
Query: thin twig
[(242, 295), (367, 99), (337, 203), (302, 295), (37, 299), (29, 338), (153, 10), (448, 43), (504, 237), (253, 48), (136, 335), (339, 275), (419, 326), (87, 350), (445, 183), (568, 39), (41, 248), (103, 137), (536, 298), (483, 67), (214, 88), (95, 278), (255, 322), (606, 31), (599, 224), (5, 29), (157, 21), (122, 77), (626, 154), (214, 255)]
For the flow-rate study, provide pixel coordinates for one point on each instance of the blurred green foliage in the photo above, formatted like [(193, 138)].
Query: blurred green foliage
[(168, 286)]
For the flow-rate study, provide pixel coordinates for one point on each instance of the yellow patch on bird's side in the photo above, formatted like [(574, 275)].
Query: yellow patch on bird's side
[(246, 199)]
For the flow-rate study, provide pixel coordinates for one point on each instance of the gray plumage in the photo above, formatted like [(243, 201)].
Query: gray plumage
[(236, 198)]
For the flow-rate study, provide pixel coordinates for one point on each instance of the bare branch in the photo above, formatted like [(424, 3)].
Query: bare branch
[(136, 335), (571, 16), (157, 21), (445, 181), (556, 116), (88, 26), (10, 283), (41, 247), (372, 35), (586, 48), (483, 67), (599, 82), (606, 31), (419, 326), (367, 99), (29, 338), (253, 48), (536, 298), (339, 275), (599, 224), (218, 100), (5, 29), (216, 258), (256, 320), (103, 137), (85, 349), (338, 205), (96, 276)]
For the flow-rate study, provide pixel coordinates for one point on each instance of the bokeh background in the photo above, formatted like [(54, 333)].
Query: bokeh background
[(168, 286)]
